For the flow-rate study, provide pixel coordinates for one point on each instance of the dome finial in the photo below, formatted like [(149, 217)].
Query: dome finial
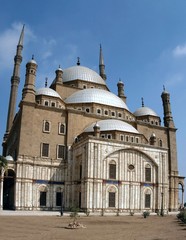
[(164, 88), (32, 56), (78, 61), (46, 82), (142, 102)]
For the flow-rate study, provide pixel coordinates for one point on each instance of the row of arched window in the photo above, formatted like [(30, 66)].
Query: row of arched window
[(47, 127), (112, 198), (131, 167)]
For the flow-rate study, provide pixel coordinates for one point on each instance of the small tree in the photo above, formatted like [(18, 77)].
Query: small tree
[(74, 214), (3, 163)]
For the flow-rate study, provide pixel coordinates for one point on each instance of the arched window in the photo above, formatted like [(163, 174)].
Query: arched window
[(160, 143), (148, 173), (61, 128), (46, 126), (98, 111), (112, 170), (46, 103)]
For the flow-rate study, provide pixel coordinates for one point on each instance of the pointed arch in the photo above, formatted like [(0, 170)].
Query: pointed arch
[(134, 150), (112, 196), (148, 196)]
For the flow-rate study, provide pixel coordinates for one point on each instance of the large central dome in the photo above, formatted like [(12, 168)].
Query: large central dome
[(94, 95), (82, 73)]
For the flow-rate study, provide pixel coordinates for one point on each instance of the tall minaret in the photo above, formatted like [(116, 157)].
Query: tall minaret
[(101, 65), (168, 119), (172, 151), (15, 79)]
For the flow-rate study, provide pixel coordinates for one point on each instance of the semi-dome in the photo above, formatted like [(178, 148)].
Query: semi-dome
[(47, 92), (94, 95), (82, 73), (144, 111), (111, 125)]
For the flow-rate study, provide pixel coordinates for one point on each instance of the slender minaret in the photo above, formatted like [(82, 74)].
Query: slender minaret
[(168, 119), (15, 79), (172, 151), (101, 65)]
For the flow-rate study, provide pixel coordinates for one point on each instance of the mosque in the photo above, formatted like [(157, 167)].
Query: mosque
[(76, 144)]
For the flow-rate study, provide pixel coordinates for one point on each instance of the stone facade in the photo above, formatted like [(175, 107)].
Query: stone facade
[(86, 150)]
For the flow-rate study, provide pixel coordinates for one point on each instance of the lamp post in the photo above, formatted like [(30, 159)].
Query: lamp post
[(162, 214), (61, 202)]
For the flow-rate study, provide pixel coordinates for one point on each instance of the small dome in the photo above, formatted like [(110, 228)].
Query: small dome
[(94, 95), (82, 73), (32, 61), (9, 158), (112, 124), (47, 92), (144, 111)]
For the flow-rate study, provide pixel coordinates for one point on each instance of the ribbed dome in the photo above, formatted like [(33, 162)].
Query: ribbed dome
[(47, 92), (112, 124), (144, 111), (82, 73), (93, 95)]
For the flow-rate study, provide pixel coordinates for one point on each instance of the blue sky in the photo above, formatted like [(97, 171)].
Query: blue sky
[(143, 41)]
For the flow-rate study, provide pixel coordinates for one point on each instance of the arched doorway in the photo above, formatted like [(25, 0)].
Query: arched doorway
[(181, 195), (8, 190)]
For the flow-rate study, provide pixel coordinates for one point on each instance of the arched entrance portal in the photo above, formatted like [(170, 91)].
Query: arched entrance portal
[(181, 195), (8, 190)]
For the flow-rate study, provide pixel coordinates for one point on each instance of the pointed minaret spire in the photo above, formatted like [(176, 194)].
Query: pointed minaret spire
[(101, 65), (142, 102), (15, 79), (21, 36)]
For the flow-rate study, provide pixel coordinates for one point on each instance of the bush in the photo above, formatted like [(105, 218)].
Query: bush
[(146, 214), (182, 215)]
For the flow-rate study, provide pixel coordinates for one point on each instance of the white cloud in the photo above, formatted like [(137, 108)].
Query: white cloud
[(179, 51), (47, 48), (174, 80), (46, 55), (8, 42)]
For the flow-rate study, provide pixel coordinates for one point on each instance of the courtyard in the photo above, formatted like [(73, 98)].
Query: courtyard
[(53, 227)]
